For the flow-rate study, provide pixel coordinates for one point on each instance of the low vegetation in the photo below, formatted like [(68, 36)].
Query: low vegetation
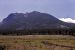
[(38, 42)]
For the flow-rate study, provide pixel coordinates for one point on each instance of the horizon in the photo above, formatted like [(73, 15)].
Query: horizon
[(57, 8)]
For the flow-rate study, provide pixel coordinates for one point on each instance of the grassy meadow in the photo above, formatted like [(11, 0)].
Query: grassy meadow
[(38, 42)]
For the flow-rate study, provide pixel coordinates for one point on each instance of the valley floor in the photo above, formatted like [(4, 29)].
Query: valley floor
[(37, 42)]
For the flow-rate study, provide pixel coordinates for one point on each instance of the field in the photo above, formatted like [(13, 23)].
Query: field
[(37, 42)]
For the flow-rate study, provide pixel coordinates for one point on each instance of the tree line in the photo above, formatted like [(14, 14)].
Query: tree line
[(39, 32)]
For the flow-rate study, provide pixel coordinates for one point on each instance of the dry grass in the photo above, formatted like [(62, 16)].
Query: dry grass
[(35, 42)]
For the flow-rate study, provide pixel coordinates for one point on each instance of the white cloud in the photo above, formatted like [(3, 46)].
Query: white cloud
[(69, 20)]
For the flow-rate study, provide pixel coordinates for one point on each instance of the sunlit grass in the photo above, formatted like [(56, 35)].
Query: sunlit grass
[(34, 42)]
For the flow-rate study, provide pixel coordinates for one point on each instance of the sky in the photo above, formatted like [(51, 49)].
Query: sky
[(57, 8)]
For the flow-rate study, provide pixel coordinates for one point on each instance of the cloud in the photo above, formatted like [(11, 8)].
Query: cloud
[(69, 20)]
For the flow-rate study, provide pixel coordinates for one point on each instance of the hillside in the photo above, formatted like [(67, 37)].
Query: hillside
[(34, 22)]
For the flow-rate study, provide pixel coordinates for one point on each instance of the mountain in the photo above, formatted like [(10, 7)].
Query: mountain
[(32, 20)]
